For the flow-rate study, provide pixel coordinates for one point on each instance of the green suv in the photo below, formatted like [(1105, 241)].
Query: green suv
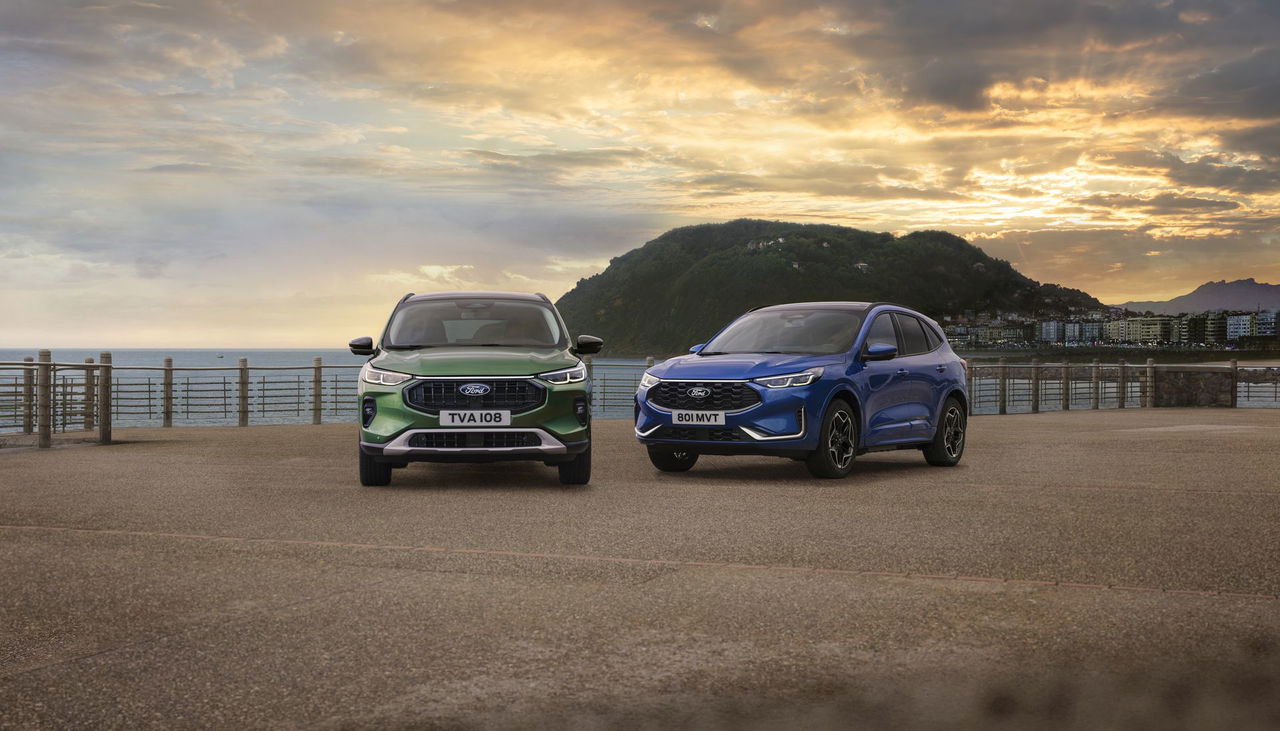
[(475, 377)]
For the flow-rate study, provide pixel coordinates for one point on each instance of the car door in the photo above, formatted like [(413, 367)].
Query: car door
[(918, 377), (888, 413)]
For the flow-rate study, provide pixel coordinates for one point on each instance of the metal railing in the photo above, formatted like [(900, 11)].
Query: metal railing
[(42, 397)]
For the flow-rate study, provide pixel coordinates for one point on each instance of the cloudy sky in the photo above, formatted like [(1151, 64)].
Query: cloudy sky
[(277, 172)]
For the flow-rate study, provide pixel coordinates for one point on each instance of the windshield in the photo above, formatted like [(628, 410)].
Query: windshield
[(805, 332), (477, 322)]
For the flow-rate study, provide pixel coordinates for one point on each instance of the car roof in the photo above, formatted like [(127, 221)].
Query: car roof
[(488, 295), (859, 306)]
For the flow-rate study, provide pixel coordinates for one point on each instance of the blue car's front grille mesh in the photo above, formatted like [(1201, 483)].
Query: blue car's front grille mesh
[(698, 435), (721, 396), (488, 440), (515, 396)]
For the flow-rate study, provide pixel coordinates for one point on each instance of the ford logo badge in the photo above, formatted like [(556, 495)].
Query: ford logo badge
[(473, 389), (699, 392)]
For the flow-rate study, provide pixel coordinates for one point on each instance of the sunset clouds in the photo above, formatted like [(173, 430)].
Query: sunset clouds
[(278, 170)]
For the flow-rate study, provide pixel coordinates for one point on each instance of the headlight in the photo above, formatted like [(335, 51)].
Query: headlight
[(369, 374), (576, 374), (648, 381), (803, 378)]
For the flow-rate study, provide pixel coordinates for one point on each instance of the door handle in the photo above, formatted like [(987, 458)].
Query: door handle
[(903, 371), (942, 369)]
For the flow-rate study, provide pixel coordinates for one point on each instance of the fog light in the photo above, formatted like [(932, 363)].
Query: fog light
[(369, 410), (582, 411)]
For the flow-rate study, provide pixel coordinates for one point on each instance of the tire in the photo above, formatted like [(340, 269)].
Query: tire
[(578, 470), (672, 459), (947, 446), (837, 443), (372, 472)]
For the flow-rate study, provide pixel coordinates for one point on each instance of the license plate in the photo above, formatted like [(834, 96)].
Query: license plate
[(475, 418), (698, 418)]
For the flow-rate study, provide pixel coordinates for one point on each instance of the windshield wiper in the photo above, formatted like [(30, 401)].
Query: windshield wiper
[(407, 347)]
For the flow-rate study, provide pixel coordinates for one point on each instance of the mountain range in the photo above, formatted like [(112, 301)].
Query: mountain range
[(1242, 294), (682, 287)]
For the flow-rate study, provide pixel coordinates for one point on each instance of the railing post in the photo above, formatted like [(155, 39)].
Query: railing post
[(1066, 386), (104, 398), (1149, 385), (89, 372), (167, 398), (1095, 385), (28, 396), (317, 389), (1004, 386), (243, 400), (1123, 385), (591, 371), (1035, 385), (1235, 383), (44, 400)]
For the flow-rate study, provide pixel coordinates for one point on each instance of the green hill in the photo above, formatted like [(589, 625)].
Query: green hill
[(683, 286)]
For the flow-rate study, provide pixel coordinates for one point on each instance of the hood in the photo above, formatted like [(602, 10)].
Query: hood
[(739, 365), (473, 361)]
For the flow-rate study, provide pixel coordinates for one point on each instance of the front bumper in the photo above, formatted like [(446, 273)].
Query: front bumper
[(784, 422), (554, 431)]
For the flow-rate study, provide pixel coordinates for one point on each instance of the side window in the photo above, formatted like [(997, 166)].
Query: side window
[(914, 341), (934, 338), (882, 332)]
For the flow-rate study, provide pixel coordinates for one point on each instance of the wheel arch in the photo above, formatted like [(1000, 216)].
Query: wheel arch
[(960, 396), (846, 394)]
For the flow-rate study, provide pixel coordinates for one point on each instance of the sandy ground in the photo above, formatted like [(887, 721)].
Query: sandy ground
[(1077, 570)]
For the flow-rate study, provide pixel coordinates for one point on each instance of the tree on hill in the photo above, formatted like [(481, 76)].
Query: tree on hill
[(683, 286)]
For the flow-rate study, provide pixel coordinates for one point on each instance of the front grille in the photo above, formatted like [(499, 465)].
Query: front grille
[(698, 435), (723, 396), (474, 440), (515, 396)]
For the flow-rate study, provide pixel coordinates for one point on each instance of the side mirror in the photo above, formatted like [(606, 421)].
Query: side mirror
[(880, 351), (362, 346), (588, 345), (697, 348)]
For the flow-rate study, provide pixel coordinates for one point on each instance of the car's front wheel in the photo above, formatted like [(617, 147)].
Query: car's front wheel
[(578, 470), (372, 472), (948, 442), (837, 443), (672, 459)]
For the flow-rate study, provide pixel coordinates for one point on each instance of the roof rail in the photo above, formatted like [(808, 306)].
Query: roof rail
[(407, 296), (544, 297)]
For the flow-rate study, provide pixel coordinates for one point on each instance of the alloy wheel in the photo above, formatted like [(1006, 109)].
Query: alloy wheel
[(840, 442), (953, 432)]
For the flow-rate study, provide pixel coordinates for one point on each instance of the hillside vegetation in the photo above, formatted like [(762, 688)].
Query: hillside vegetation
[(683, 286)]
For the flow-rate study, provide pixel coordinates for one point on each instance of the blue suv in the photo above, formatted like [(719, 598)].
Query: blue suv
[(813, 381)]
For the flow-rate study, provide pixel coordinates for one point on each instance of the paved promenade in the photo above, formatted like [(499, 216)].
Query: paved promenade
[(1078, 570)]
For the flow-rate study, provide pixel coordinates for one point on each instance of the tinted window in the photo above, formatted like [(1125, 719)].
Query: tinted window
[(882, 332), (913, 337), (810, 332), (473, 322), (934, 338)]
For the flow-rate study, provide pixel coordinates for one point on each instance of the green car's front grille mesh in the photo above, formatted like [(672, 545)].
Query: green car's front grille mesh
[(515, 396)]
